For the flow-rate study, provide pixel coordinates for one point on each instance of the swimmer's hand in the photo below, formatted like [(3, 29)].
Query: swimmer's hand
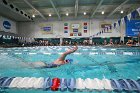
[(75, 48), (72, 50)]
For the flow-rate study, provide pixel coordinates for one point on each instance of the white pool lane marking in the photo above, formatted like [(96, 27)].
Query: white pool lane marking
[(60, 53), (18, 53), (113, 49), (84, 49), (127, 53), (47, 53), (9, 50), (110, 53), (25, 50), (103, 49), (93, 49), (32, 53), (4, 53), (93, 53), (77, 53)]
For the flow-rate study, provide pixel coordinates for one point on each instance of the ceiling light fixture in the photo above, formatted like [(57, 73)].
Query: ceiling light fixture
[(103, 12), (33, 15), (85, 13), (121, 11), (50, 15), (67, 14)]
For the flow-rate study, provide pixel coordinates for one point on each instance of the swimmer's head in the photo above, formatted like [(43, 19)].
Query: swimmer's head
[(69, 60)]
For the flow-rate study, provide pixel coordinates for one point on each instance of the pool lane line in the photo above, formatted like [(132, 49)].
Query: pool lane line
[(103, 64)]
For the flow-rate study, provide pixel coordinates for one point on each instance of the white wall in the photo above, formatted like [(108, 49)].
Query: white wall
[(12, 28), (32, 29)]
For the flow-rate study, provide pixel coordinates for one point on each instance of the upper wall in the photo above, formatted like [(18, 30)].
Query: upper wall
[(7, 25), (59, 29)]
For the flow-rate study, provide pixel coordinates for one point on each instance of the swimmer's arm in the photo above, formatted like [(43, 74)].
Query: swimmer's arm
[(62, 57)]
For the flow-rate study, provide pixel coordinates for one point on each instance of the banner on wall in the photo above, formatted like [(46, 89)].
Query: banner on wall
[(85, 28), (79, 34), (71, 34), (132, 28), (66, 27), (46, 28), (105, 25), (7, 25), (75, 28)]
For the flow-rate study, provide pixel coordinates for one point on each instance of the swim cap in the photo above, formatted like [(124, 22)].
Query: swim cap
[(69, 60)]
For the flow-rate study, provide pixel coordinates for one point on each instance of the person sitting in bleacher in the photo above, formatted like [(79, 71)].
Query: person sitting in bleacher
[(105, 42), (116, 42), (129, 42), (111, 42)]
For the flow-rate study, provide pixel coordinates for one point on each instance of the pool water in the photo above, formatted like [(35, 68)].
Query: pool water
[(88, 62)]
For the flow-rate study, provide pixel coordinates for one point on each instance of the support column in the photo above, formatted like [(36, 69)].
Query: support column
[(122, 31), (61, 41)]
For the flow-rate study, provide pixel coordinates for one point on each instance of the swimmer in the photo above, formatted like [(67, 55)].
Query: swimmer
[(60, 61), (129, 43)]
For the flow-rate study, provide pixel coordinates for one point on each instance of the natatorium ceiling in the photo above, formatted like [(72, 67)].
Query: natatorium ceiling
[(75, 8)]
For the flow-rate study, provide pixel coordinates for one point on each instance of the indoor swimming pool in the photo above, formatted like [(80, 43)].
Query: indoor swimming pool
[(88, 62)]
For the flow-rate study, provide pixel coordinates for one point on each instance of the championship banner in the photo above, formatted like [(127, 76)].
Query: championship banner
[(132, 28), (46, 28), (85, 28), (105, 25), (66, 27), (75, 29)]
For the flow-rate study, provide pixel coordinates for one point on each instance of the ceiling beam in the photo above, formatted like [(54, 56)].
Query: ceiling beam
[(100, 3), (76, 7), (55, 9), (70, 6), (26, 1), (117, 8)]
